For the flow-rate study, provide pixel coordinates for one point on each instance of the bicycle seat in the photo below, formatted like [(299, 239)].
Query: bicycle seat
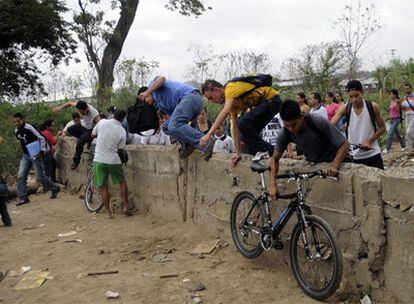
[(259, 167)]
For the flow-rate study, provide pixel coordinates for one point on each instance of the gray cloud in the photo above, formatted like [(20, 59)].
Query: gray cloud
[(278, 27)]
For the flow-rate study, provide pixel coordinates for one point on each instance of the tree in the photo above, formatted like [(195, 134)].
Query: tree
[(316, 66), (104, 39), (206, 64), (134, 73), (31, 29), (356, 26), (245, 62)]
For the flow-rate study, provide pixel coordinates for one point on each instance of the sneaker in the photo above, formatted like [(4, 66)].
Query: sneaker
[(186, 151), (55, 192), (208, 153), (7, 223), (22, 202), (3, 274)]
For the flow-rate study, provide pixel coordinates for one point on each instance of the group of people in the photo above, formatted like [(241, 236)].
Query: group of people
[(259, 121)]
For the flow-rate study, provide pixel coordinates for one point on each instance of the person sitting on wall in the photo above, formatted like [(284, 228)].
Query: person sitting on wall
[(319, 140)]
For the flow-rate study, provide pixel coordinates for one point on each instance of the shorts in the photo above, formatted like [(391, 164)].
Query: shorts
[(101, 172)]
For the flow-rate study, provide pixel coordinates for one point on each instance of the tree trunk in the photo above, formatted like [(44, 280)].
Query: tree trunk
[(113, 51)]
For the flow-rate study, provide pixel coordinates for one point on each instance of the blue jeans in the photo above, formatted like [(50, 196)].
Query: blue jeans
[(177, 126), (26, 164), (394, 131)]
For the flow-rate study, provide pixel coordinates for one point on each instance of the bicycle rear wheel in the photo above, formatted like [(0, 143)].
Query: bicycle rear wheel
[(318, 271), (93, 199), (245, 229)]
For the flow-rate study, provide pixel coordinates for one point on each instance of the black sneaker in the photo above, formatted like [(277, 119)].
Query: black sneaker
[(3, 274), (55, 192), (7, 223), (208, 153), (186, 151), (22, 202)]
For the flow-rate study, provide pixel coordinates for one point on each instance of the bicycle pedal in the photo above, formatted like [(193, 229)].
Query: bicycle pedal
[(278, 245)]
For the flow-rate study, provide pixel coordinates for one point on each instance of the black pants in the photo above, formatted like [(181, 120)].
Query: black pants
[(84, 137), (4, 213), (252, 123), (49, 163), (374, 161)]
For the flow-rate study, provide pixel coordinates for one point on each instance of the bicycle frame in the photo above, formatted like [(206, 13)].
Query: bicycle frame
[(296, 204)]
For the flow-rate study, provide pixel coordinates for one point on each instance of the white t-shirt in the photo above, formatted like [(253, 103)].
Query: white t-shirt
[(359, 130), (406, 105), (272, 130), (71, 123), (156, 139), (90, 117), (224, 144), (321, 111), (111, 136)]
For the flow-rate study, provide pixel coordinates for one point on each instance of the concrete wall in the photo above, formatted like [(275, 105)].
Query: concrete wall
[(371, 211)]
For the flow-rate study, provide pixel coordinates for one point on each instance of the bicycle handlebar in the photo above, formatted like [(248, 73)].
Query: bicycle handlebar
[(301, 175)]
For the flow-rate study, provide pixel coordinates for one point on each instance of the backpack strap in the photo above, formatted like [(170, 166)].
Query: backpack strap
[(371, 112)]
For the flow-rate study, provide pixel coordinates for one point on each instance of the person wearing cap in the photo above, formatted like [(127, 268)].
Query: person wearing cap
[(182, 103), (81, 132), (361, 130)]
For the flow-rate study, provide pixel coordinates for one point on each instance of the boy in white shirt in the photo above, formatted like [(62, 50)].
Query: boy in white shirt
[(224, 144)]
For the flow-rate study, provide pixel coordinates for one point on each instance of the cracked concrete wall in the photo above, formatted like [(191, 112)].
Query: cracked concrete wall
[(368, 209)]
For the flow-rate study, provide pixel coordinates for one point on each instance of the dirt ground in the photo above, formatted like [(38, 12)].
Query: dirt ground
[(130, 245)]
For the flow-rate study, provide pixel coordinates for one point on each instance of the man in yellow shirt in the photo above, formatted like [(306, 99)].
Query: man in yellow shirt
[(238, 96)]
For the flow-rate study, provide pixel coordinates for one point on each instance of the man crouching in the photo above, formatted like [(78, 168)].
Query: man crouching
[(319, 140)]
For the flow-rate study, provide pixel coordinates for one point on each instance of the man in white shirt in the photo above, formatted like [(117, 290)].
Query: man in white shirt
[(408, 106), (76, 121), (365, 126), (83, 132), (111, 137), (317, 107)]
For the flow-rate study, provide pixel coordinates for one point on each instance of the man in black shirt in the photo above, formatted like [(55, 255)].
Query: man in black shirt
[(319, 140), (27, 134)]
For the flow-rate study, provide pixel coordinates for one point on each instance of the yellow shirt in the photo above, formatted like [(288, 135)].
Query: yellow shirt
[(235, 89)]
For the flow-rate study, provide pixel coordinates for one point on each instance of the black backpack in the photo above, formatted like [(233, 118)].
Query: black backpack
[(142, 117), (370, 111), (258, 80)]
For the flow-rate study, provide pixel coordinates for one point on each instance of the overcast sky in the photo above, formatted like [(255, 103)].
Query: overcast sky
[(277, 27)]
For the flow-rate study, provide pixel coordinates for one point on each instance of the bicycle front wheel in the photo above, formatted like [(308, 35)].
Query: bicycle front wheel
[(93, 199), (318, 266), (246, 220)]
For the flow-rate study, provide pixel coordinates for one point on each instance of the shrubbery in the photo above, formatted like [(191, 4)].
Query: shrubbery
[(36, 114)]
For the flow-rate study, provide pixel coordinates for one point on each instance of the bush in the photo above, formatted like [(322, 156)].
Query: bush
[(36, 114)]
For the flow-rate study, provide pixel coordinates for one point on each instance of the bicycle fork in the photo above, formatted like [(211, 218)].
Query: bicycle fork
[(304, 237)]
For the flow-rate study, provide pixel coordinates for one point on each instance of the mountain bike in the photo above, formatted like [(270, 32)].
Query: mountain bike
[(93, 200), (315, 256)]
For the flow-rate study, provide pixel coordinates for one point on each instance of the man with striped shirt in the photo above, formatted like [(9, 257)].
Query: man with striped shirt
[(27, 134)]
